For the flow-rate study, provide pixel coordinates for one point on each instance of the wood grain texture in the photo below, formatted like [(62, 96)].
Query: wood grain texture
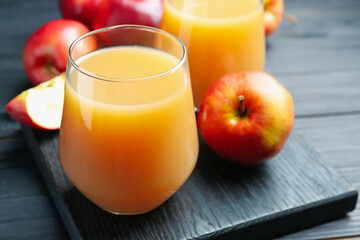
[(324, 39), (334, 92), (26, 208), (25, 204), (219, 199), (317, 59), (337, 139)]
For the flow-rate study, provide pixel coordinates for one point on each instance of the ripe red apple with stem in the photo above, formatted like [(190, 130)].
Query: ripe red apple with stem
[(246, 117), (46, 51)]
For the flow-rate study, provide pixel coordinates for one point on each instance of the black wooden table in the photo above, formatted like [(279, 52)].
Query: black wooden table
[(318, 60)]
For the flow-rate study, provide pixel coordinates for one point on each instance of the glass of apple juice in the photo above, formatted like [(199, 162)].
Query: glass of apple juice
[(221, 37), (128, 137)]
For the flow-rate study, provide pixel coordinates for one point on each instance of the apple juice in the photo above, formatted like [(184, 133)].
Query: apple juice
[(221, 37), (129, 145)]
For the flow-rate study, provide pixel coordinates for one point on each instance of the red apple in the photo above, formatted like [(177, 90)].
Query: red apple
[(140, 12), (46, 51), (273, 14), (80, 10), (41, 106), (246, 117)]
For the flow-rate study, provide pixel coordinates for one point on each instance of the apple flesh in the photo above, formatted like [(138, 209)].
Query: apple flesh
[(139, 12), (80, 10), (40, 107), (246, 117), (46, 51), (273, 15)]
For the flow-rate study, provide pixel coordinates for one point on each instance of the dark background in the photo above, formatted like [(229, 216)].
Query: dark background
[(318, 60)]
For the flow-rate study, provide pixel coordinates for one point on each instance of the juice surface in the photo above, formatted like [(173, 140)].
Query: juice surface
[(128, 146), (221, 37)]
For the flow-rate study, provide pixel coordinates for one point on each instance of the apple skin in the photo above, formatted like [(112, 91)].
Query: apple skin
[(139, 12), (46, 51), (257, 132), (35, 106), (17, 110), (273, 15), (80, 10)]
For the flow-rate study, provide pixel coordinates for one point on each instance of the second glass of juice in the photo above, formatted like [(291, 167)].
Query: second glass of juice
[(128, 137), (221, 37)]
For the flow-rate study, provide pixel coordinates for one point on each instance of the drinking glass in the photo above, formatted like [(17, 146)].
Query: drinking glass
[(221, 37), (128, 137)]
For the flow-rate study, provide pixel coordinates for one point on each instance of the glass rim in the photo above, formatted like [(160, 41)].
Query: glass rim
[(217, 19), (126, 80)]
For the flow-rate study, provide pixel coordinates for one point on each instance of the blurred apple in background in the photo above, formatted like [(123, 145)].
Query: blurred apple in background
[(80, 10), (41, 106), (246, 117), (46, 51), (140, 12), (273, 14)]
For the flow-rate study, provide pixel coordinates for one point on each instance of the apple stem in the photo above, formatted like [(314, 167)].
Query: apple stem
[(290, 18), (52, 69), (242, 109)]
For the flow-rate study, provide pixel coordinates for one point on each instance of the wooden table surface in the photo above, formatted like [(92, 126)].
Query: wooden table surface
[(318, 60)]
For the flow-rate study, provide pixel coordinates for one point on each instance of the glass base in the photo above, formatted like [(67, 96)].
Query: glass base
[(127, 214)]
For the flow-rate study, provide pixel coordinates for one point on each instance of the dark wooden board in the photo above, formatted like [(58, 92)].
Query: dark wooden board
[(25, 203), (292, 191), (341, 152)]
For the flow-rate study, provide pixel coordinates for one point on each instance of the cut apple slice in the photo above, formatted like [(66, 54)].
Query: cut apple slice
[(41, 106)]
